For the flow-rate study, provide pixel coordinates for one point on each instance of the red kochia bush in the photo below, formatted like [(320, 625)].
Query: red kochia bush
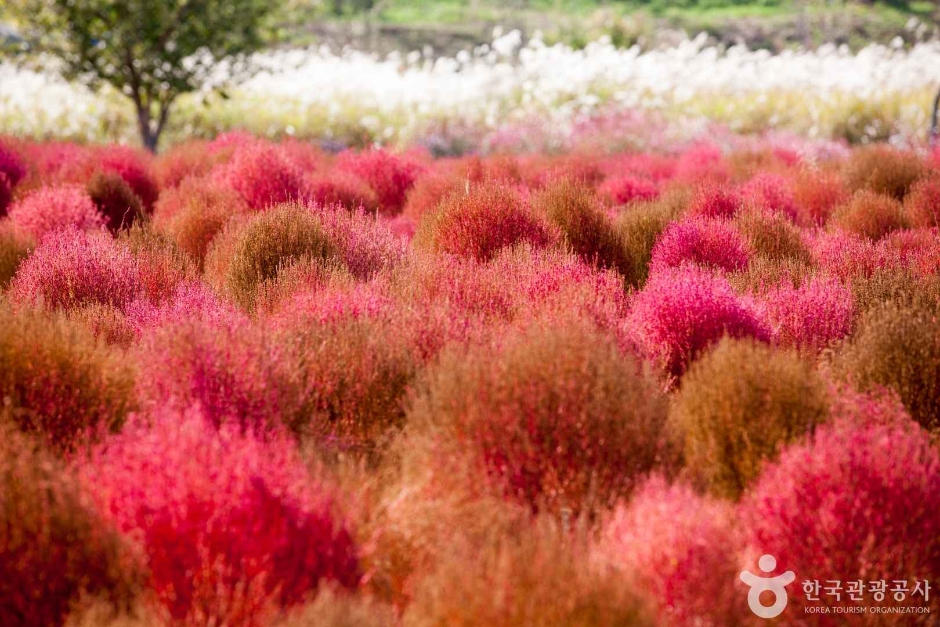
[(812, 316), (132, 166), (72, 268), (55, 549), (817, 194), (681, 312), (682, 550), (229, 367), (481, 222), (855, 502), (922, 205), (261, 175), (709, 243), (231, 527), (389, 175), (337, 187), (12, 164), (6, 193), (625, 188), (52, 208)]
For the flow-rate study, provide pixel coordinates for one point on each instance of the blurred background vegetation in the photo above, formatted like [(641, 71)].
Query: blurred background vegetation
[(448, 26)]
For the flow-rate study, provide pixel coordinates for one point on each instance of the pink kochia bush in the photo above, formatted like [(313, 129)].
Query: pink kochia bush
[(681, 549), (809, 317), (132, 166), (709, 243), (261, 175), (231, 527), (716, 201), (771, 193), (681, 312), (53, 208), (230, 368), (72, 268), (855, 502)]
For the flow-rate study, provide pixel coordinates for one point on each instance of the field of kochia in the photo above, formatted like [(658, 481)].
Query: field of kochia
[(247, 382)]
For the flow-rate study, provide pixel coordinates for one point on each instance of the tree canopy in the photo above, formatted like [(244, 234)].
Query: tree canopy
[(150, 50)]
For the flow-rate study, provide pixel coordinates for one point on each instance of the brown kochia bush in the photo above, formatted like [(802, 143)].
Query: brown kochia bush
[(553, 413), (55, 551), (57, 381), (541, 576), (883, 170), (898, 346), (871, 215), (772, 236), (14, 248), (247, 254), (639, 227), (115, 199), (572, 207), (737, 406)]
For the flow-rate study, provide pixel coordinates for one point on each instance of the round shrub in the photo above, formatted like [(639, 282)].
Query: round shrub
[(899, 286), (573, 209), (57, 381), (267, 243), (539, 575), (898, 347), (554, 414), (681, 312), (391, 176), (189, 159), (195, 211), (54, 208), (481, 222), (851, 504), (817, 194), (364, 243), (6, 194), (115, 200), (883, 170), (681, 549), (844, 255), (922, 205), (354, 364), (162, 265), (72, 268), (870, 215), (737, 406), (772, 236), (809, 317), (337, 187), (432, 187), (56, 551), (133, 166), (231, 369), (255, 535), (626, 188), (771, 193), (701, 241), (12, 164), (640, 227), (716, 201), (14, 248), (261, 175)]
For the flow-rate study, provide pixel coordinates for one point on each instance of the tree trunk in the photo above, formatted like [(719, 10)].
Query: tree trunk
[(150, 134)]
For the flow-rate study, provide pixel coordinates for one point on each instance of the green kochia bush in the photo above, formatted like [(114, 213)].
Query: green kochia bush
[(737, 406)]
